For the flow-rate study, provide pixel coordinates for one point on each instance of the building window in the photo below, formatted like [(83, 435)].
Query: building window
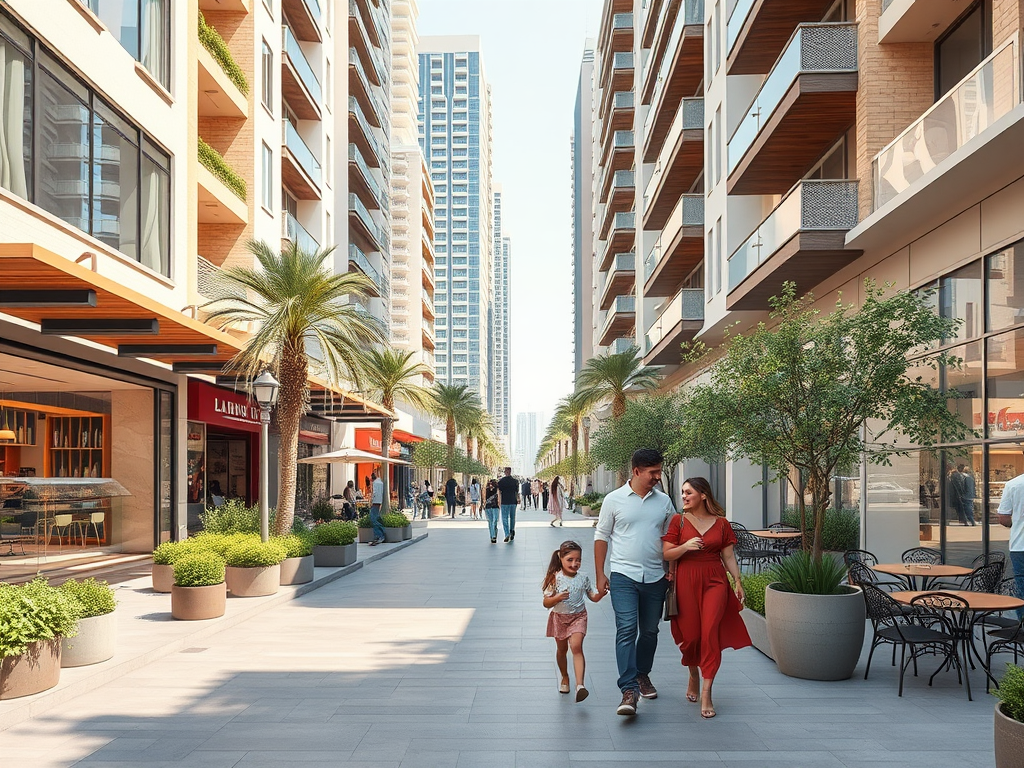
[(963, 48), (718, 256), (327, 85), (329, 160), (267, 198), (142, 27), (268, 77)]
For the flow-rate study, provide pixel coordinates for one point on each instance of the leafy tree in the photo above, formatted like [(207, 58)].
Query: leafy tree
[(304, 320), (801, 392)]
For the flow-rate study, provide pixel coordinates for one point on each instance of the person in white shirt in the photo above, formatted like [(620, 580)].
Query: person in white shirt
[(633, 519), (1011, 515), (376, 499)]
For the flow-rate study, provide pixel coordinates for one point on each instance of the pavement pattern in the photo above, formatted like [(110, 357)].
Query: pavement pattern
[(436, 658)]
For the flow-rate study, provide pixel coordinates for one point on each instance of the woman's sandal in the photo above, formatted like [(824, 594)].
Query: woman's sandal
[(707, 712), (692, 697)]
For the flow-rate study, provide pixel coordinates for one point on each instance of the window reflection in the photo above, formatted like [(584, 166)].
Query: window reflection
[(1005, 275), (15, 110), (963, 505), (1006, 384), (966, 380), (960, 297)]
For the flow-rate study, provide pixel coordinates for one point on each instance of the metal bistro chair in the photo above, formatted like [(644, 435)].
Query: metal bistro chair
[(925, 555), (852, 556), (1007, 587), (984, 578), (858, 574), (1004, 640), (933, 610), (63, 523), (752, 551)]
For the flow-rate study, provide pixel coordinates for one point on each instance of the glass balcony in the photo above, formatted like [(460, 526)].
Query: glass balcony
[(380, 109), (370, 133), (739, 14), (813, 49), (298, 234), (622, 345), (364, 36), (689, 212), (357, 257), (622, 60), (968, 110), (811, 206), (355, 205), (687, 165), (303, 154), (623, 100), (623, 140), (619, 278), (355, 156), (692, 14), (618, 319), (301, 64), (622, 21), (687, 306), (428, 300), (623, 180), (625, 220)]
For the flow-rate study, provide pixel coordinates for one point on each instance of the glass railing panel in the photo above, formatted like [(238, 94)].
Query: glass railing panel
[(299, 235), (691, 14), (969, 109), (687, 305), (302, 153), (739, 14), (689, 212), (810, 206), (375, 186), (368, 131), (357, 257), (813, 48), (355, 204), (301, 64), (689, 116)]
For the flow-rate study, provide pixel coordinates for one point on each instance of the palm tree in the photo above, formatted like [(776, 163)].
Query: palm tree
[(391, 374), (612, 376), (303, 319), (455, 405), (569, 413)]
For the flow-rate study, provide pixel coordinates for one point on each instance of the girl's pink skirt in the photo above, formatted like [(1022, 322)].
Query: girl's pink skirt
[(562, 626)]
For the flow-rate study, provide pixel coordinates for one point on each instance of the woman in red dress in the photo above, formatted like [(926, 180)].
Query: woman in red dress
[(700, 543)]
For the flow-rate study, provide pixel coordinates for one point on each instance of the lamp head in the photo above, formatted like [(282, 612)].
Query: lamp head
[(265, 388)]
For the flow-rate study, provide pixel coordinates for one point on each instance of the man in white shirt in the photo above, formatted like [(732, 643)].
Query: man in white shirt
[(1011, 515), (376, 499), (633, 519)]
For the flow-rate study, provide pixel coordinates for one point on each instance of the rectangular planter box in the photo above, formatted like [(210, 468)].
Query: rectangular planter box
[(393, 535), (757, 628), (334, 557), (365, 535), (407, 533)]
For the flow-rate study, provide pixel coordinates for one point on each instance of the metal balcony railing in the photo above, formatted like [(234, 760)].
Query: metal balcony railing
[(689, 212), (301, 64), (688, 304), (302, 153)]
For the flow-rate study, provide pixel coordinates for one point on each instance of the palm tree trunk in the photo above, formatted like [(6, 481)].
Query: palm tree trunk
[(291, 404), (450, 436), (387, 428)]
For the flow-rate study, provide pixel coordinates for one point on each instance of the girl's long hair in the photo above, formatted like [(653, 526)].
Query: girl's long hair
[(702, 486), (556, 561), (556, 483)]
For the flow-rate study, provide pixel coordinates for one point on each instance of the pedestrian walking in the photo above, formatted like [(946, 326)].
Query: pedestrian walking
[(474, 499), (449, 495), (460, 498), (557, 503), (564, 590), (376, 499), (427, 497), (632, 521), (492, 508), (700, 543), (348, 505), (524, 494), (1011, 515), (508, 495), (535, 493), (544, 493)]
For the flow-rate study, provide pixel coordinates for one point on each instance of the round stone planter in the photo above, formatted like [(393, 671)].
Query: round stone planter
[(393, 535), (407, 533), (96, 641), (584, 510), (815, 637), (757, 628), (198, 603), (37, 669), (163, 578), (1009, 740), (365, 535), (253, 582), (334, 557), (296, 570)]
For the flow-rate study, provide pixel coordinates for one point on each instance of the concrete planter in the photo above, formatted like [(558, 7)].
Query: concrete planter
[(438, 510), (407, 533), (393, 535), (198, 603), (757, 628), (1009, 740), (815, 637), (37, 669), (584, 510), (253, 582), (163, 578), (365, 535), (334, 557), (96, 641), (296, 570)]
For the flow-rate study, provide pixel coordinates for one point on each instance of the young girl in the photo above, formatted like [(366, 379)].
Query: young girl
[(564, 590)]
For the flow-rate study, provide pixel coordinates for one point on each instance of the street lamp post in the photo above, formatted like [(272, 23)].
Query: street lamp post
[(265, 388)]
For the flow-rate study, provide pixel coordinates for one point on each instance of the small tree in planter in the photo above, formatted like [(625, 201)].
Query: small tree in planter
[(394, 526), (365, 529), (297, 566), (334, 544), (1009, 728), (96, 639), (321, 510), (33, 619), (199, 591), (254, 567)]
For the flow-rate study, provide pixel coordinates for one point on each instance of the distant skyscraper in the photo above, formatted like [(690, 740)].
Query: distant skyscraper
[(499, 364), (583, 213), (455, 136), (527, 442)]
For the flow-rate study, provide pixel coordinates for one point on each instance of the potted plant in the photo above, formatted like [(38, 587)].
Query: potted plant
[(437, 507), (96, 639), (199, 591), (254, 567), (1009, 727), (322, 510), (365, 529), (754, 586), (164, 557), (334, 544), (33, 619), (297, 566), (394, 526)]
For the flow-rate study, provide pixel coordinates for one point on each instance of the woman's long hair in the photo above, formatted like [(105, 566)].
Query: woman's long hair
[(555, 565), (556, 483), (702, 486)]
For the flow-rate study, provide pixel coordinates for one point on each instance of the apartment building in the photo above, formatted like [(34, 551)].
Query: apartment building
[(527, 439), (832, 142), (498, 346), (582, 149), (455, 136)]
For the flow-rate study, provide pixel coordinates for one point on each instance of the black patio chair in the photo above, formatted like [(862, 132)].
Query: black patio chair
[(1007, 587), (932, 611), (984, 578), (737, 526), (753, 551), (925, 555), (996, 556), (782, 527), (859, 556), (1005, 640), (858, 574)]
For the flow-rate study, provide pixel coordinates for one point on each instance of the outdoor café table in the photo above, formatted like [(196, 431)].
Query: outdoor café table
[(910, 571), (776, 535), (979, 605)]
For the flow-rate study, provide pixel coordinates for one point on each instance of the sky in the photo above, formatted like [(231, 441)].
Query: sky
[(532, 50)]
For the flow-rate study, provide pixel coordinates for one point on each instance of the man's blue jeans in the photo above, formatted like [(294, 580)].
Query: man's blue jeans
[(1017, 560), (508, 518), (378, 526), (638, 610), (492, 520)]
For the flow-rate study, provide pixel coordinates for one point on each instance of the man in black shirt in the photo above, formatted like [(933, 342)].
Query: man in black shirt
[(508, 495), (524, 490)]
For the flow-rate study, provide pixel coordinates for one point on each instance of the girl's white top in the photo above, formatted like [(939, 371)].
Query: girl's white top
[(578, 587), (474, 492)]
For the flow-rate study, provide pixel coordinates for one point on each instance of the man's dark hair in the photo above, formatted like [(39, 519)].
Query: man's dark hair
[(508, 470), (647, 457)]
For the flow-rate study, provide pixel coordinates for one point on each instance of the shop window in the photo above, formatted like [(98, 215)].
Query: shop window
[(960, 298), (966, 380), (1005, 385)]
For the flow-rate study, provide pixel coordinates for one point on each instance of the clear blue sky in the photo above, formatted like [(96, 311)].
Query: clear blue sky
[(532, 51)]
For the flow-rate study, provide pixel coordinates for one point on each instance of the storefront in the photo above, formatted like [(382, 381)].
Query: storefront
[(312, 481), (369, 440)]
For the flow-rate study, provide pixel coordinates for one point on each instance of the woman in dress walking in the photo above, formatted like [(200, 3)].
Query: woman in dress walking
[(557, 501), (699, 544)]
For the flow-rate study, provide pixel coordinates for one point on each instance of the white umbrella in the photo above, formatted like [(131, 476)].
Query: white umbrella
[(350, 456)]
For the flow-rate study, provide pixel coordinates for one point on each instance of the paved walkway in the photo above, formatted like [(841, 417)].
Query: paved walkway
[(436, 658)]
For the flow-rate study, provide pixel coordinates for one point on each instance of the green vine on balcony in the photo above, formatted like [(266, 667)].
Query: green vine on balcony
[(218, 166), (214, 43)]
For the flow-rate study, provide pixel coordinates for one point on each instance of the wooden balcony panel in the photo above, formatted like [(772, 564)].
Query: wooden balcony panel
[(622, 241), (618, 119), (767, 29), (620, 282), (683, 255), (621, 198), (685, 76), (658, 42), (622, 323), (296, 179), (651, 21), (815, 112), (685, 164), (301, 20)]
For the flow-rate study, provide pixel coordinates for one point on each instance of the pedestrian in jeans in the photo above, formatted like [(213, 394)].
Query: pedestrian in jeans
[(376, 499), (508, 495), (1011, 515), (633, 519), (491, 508)]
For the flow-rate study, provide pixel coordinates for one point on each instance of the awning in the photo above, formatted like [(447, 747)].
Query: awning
[(406, 437), (350, 456)]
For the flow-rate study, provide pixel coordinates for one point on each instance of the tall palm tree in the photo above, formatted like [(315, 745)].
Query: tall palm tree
[(611, 376), (303, 320), (455, 405), (392, 374), (570, 412)]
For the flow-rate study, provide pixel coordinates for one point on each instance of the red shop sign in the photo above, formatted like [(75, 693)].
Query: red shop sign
[(218, 407), (369, 440)]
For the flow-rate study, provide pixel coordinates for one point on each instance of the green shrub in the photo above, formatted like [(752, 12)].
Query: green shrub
[(365, 522), (394, 520), (1011, 692), (589, 499), (216, 164), (95, 598), (32, 612), (169, 552), (322, 510), (299, 526), (199, 569), (754, 585), (338, 533), (255, 554), (295, 545), (233, 516), (799, 572), (840, 531), (220, 543), (214, 43)]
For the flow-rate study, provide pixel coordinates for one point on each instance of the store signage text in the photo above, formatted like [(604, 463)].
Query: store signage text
[(236, 411)]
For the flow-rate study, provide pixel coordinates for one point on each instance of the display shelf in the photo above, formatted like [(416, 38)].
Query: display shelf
[(76, 446), (22, 423)]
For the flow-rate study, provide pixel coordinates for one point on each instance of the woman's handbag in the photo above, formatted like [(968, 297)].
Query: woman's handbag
[(671, 603)]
